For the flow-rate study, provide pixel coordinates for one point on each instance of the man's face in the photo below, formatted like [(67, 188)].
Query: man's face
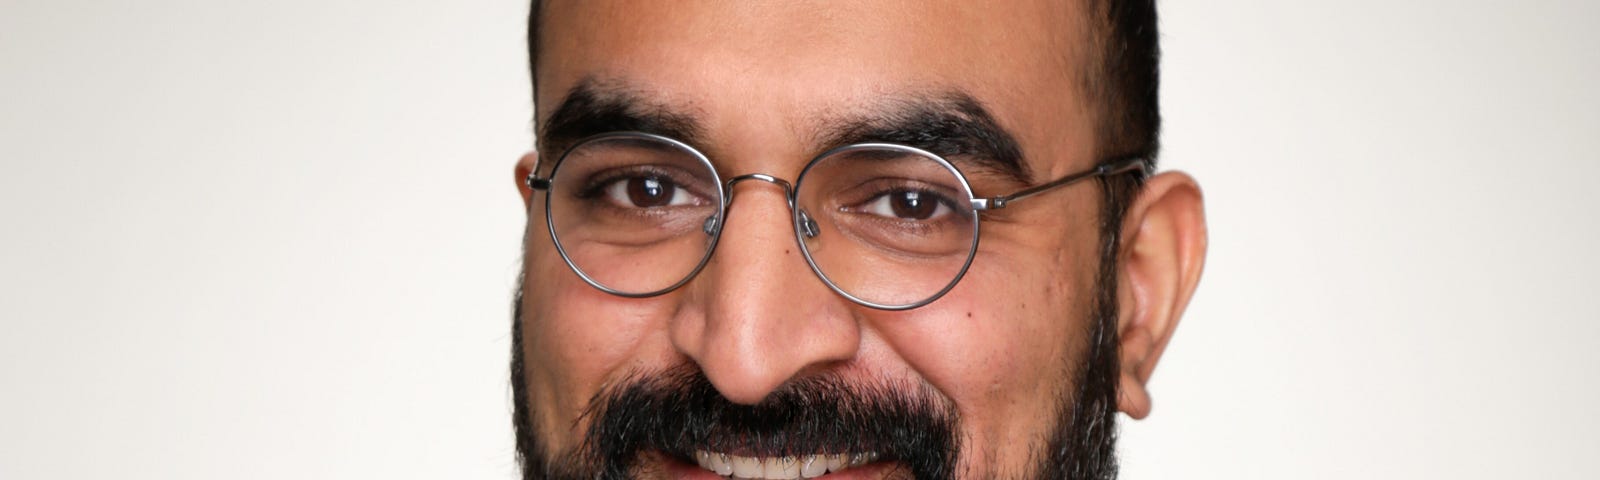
[(765, 85)]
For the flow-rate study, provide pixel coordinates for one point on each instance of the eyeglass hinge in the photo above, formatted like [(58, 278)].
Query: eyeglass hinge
[(995, 203), (537, 183)]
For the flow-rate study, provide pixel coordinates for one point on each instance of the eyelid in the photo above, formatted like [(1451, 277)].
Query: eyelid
[(883, 186), (954, 204), (885, 199), (595, 181), (985, 181)]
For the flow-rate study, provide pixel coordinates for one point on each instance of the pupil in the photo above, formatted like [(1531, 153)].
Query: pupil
[(649, 192), (911, 205)]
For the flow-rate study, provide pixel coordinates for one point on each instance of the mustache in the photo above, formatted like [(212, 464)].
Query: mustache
[(677, 411)]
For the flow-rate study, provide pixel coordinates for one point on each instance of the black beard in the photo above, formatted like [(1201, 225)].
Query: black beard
[(678, 410)]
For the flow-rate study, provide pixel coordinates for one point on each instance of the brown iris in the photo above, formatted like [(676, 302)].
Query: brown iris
[(912, 205), (650, 192)]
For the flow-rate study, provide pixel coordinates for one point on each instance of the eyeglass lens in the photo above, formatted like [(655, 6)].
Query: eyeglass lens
[(629, 212), (890, 227), (893, 227)]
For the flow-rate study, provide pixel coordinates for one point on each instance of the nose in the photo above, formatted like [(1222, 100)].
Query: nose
[(763, 318)]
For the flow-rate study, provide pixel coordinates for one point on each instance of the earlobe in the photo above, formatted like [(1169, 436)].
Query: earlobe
[(1162, 254), (528, 164)]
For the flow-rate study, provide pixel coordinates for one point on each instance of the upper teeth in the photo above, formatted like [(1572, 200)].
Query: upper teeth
[(779, 468)]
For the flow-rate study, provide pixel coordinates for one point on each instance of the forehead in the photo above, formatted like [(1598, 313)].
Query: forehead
[(759, 70)]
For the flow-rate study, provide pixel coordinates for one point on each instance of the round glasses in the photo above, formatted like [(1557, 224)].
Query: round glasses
[(888, 226)]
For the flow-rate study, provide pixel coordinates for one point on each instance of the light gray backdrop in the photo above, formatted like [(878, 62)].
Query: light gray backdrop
[(278, 239)]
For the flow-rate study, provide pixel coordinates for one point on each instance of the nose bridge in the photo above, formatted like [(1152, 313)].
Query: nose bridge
[(807, 226), (764, 317), (788, 188)]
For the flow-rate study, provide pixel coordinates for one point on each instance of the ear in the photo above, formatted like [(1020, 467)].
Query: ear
[(1162, 252), (528, 164)]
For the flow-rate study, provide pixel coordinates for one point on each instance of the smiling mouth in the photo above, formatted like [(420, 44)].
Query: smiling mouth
[(780, 468)]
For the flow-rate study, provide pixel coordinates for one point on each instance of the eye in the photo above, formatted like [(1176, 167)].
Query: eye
[(908, 205), (646, 192)]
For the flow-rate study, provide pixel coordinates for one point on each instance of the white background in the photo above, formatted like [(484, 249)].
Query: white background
[(278, 239)]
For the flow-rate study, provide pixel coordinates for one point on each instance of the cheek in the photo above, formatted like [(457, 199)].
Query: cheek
[(1002, 342), (1002, 345), (575, 338)]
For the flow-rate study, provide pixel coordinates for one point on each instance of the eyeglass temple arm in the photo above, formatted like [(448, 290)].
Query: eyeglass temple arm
[(1116, 167)]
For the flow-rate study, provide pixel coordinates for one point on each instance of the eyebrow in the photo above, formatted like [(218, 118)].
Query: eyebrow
[(951, 124), (594, 107)]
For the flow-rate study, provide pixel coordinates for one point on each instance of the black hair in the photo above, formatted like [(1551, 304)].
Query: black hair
[(1123, 76)]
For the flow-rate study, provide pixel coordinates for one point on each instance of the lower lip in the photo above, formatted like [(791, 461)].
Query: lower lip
[(688, 471)]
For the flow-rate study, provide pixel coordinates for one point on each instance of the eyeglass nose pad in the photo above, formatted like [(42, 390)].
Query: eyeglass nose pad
[(710, 226), (808, 227)]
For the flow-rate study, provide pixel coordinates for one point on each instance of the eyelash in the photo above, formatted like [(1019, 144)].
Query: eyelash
[(881, 188), (595, 184)]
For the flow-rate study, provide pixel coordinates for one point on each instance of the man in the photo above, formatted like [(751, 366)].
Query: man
[(753, 245)]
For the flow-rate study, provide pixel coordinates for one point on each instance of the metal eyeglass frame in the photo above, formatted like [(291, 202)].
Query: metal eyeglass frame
[(803, 225)]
